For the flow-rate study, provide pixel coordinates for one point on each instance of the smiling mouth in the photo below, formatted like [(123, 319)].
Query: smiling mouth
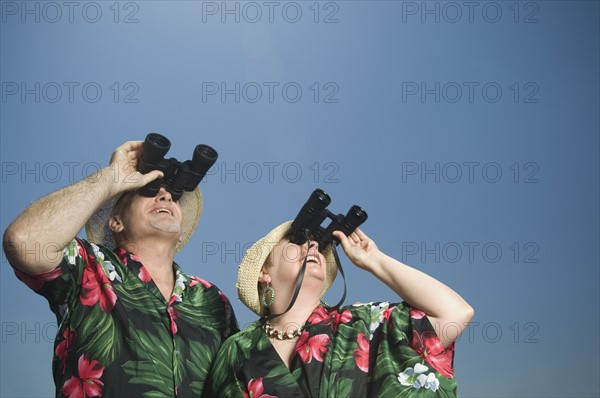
[(162, 210), (313, 259)]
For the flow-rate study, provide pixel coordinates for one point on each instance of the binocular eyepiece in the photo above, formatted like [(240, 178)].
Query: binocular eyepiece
[(178, 177), (307, 224)]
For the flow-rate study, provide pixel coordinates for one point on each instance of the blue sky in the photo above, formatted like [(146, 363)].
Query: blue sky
[(469, 133)]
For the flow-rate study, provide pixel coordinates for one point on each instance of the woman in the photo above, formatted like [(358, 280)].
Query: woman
[(362, 350)]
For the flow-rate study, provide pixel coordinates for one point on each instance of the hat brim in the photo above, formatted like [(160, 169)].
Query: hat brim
[(254, 259), (98, 232)]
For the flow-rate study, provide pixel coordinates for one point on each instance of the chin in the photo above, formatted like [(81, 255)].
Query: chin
[(318, 280), (169, 227)]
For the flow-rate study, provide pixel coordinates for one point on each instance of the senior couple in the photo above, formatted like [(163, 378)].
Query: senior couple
[(132, 323)]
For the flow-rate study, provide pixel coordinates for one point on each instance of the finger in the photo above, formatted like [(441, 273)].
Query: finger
[(151, 176), (131, 145), (344, 241), (133, 154), (361, 234)]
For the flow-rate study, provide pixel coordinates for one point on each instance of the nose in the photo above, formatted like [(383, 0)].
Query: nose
[(313, 244), (164, 195)]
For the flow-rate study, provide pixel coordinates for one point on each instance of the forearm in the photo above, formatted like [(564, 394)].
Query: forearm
[(34, 241), (415, 287), (438, 301), (442, 305)]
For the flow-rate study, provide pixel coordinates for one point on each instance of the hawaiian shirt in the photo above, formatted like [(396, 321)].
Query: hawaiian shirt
[(366, 350), (119, 337)]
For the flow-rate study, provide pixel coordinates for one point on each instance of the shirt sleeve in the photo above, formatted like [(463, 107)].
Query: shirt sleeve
[(423, 337), (231, 320), (222, 381), (62, 284)]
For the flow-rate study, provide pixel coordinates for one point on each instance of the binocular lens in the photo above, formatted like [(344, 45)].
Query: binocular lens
[(318, 200), (203, 159), (307, 224), (158, 140), (356, 213), (155, 147), (177, 177)]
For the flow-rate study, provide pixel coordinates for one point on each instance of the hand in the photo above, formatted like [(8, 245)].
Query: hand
[(361, 250), (123, 167)]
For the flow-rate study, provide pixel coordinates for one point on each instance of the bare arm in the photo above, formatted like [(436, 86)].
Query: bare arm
[(442, 305), (34, 241)]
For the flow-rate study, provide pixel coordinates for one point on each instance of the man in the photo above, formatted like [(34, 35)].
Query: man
[(132, 323)]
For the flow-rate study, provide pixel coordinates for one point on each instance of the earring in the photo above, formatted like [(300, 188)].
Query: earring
[(270, 290)]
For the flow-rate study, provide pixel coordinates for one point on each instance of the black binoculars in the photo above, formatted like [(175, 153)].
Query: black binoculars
[(178, 177), (307, 224)]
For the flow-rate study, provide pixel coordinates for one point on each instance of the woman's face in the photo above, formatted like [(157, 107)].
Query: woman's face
[(285, 262)]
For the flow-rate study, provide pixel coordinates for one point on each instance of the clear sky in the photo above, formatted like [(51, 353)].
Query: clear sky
[(469, 131)]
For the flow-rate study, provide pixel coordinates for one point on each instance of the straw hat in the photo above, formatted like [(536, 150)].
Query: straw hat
[(98, 231), (255, 257)]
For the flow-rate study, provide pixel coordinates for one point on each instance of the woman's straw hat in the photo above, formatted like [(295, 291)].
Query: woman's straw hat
[(254, 259)]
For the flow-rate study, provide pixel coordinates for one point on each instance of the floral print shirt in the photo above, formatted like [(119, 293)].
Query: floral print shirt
[(366, 350), (119, 337)]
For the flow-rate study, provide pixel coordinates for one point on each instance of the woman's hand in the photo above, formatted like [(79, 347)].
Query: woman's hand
[(361, 250), (442, 305)]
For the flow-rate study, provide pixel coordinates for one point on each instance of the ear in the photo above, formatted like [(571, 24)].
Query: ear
[(264, 277), (115, 224)]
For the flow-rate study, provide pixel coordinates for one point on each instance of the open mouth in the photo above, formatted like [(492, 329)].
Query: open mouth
[(162, 210), (313, 259)]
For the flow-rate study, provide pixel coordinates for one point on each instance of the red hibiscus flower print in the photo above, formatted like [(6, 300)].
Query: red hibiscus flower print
[(196, 280), (361, 354), (88, 383), (311, 348), (255, 389), (334, 318), (144, 275), (173, 315), (416, 313), (122, 255), (62, 349), (387, 313), (37, 281), (429, 347), (95, 287)]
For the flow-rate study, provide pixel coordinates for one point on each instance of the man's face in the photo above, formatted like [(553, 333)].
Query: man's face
[(139, 216)]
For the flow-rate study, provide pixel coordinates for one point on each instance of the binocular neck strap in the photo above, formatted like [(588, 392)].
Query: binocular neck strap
[(296, 291), (301, 279), (339, 265)]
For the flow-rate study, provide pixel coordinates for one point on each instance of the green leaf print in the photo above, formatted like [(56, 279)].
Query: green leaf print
[(155, 359), (342, 387), (199, 362), (148, 373), (102, 335), (230, 357), (282, 376)]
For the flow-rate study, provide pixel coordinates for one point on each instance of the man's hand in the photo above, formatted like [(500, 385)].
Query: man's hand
[(123, 168), (34, 241)]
